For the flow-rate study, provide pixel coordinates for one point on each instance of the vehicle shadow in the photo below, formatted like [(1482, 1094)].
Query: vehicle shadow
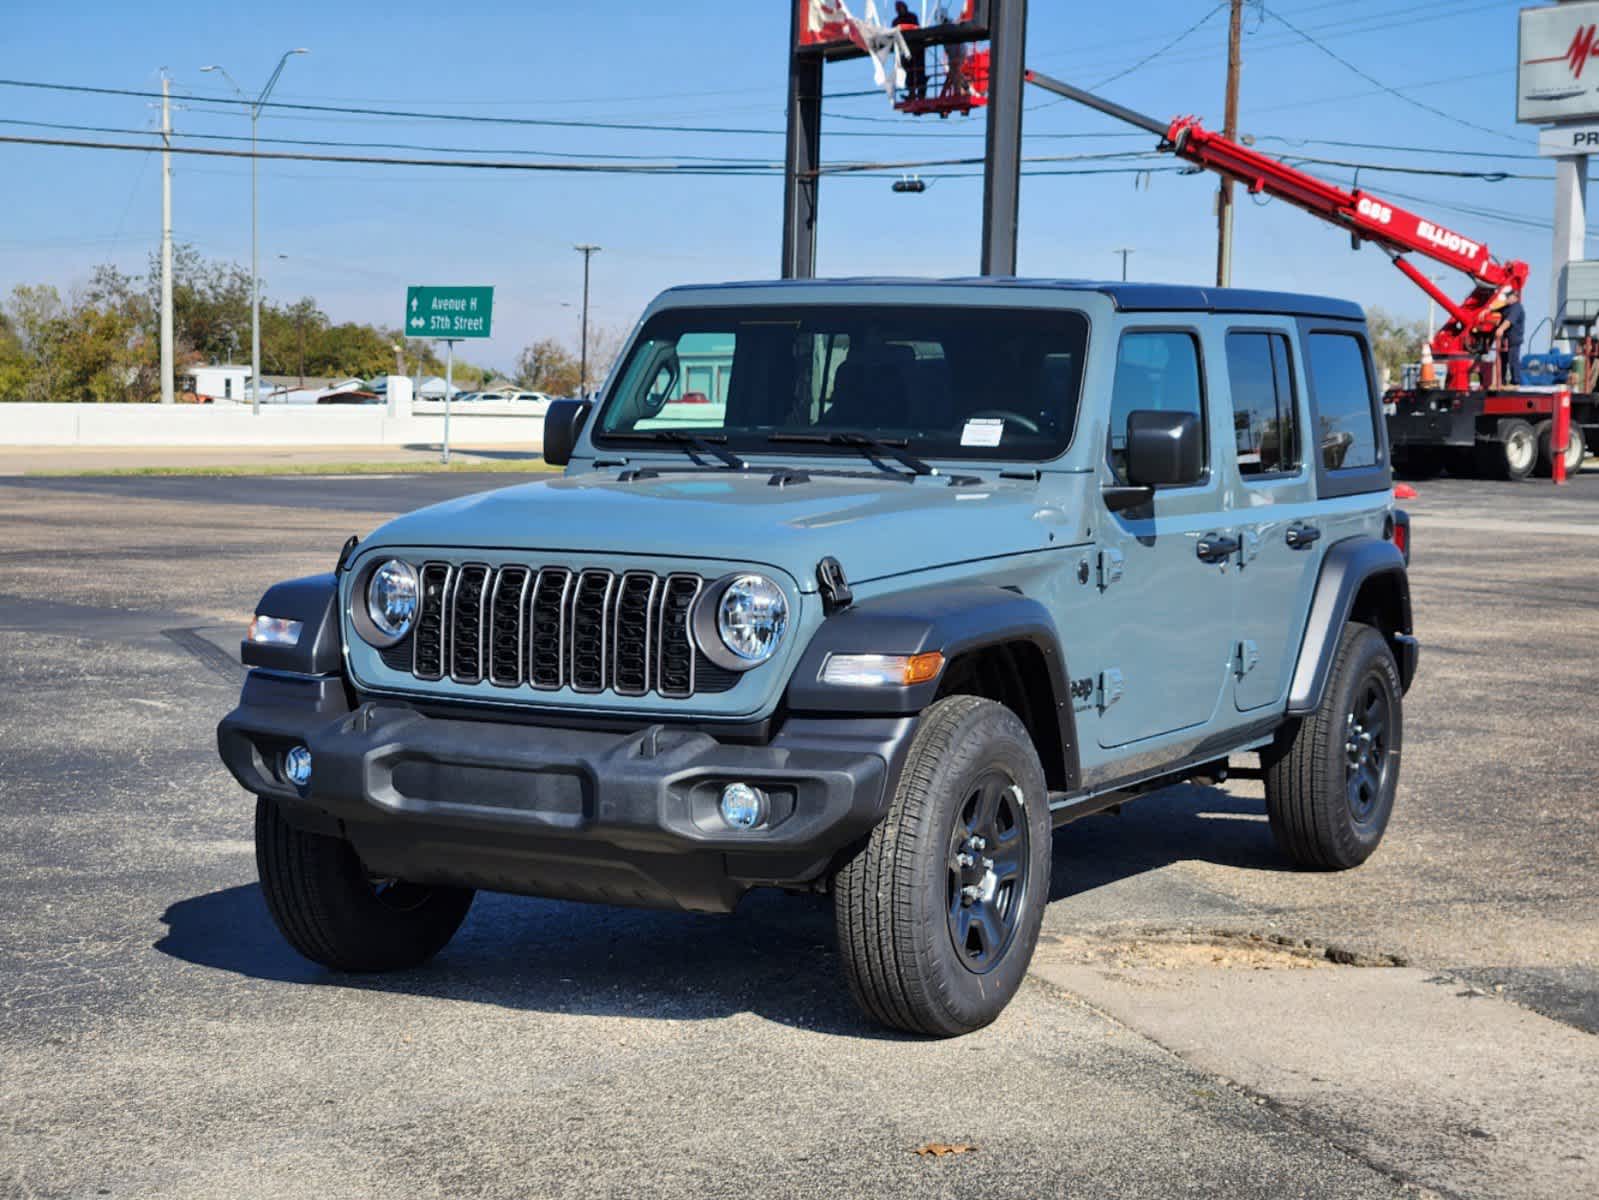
[(775, 957), (1183, 823)]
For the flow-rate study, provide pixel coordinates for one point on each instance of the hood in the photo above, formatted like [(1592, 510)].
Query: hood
[(875, 527)]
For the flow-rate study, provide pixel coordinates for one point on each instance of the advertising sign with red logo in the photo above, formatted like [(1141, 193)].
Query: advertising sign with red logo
[(834, 27), (1558, 78)]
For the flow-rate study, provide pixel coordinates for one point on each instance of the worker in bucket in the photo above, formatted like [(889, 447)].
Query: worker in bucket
[(915, 63), (1512, 331)]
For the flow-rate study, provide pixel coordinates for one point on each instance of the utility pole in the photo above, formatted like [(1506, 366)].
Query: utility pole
[(588, 252), (1124, 252), (1224, 192), (168, 395), (255, 217)]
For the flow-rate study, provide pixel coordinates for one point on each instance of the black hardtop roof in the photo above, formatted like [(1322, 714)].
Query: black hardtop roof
[(1128, 297)]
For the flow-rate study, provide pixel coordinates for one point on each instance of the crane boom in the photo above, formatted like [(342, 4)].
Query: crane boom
[(1466, 337)]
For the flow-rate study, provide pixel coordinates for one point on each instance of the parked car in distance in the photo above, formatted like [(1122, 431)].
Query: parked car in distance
[(949, 564)]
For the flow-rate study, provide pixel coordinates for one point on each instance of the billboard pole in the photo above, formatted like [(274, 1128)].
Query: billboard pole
[(1002, 158)]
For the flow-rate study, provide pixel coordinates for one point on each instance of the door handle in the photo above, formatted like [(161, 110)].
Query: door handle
[(1302, 537), (1215, 548)]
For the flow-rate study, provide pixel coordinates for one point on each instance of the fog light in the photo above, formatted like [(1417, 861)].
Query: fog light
[(743, 807), (297, 766)]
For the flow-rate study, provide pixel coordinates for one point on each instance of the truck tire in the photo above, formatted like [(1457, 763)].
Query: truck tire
[(938, 913), (331, 911), (1512, 454), (1331, 776)]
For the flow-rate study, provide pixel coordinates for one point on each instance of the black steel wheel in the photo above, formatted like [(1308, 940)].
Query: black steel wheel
[(1367, 762), (939, 911), (987, 867), (1331, 777)]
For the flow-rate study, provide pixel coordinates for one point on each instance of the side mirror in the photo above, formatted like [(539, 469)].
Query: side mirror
[(1163, 449), (563, 424)]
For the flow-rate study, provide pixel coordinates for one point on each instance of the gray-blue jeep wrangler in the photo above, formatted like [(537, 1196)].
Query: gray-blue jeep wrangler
[(858, 587)]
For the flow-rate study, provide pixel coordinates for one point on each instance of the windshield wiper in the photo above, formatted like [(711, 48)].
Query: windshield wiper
[(872, 448), (692, 444)]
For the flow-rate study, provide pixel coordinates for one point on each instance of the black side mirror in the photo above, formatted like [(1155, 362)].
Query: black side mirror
[(1163, 449), (563, 424)]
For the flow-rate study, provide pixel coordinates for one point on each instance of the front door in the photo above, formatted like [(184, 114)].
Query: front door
[(1273, 494), (1168, 620)]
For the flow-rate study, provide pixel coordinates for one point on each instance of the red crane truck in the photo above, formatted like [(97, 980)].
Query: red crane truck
[(1470, 426)]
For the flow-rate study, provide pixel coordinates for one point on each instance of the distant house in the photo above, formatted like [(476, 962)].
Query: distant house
[(432, 388), (218, 381), (289, 389)]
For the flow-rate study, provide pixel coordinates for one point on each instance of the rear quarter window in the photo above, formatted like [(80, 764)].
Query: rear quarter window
[(1346, 417)]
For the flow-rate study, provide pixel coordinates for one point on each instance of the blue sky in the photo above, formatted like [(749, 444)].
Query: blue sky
[(354, 236)]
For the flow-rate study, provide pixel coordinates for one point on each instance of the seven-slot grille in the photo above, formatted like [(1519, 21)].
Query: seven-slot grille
[(547, 628)]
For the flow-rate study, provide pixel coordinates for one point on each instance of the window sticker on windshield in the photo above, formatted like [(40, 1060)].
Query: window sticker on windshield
[(983, 431)]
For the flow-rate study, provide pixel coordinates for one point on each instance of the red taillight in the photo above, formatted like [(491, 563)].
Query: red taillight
[(695, 398), (1402, 540)]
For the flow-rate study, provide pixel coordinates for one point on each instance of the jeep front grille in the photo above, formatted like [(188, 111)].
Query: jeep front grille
[(548, 628)]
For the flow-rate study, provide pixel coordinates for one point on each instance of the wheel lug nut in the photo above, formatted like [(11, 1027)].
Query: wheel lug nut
[(978, 843), (963, 859), (970, 892)]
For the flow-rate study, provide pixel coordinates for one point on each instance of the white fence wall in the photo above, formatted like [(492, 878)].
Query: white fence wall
[(277, 425)]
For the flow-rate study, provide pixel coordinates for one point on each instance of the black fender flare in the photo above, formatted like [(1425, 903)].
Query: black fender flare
[(954, 620), (314, 602), (1346, 568)]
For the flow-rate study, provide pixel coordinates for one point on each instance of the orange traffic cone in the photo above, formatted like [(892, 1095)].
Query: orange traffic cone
[(1429, 373)]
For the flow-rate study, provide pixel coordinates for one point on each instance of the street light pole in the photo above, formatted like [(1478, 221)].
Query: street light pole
[(1124, 252), (255, 219), (588, 252)]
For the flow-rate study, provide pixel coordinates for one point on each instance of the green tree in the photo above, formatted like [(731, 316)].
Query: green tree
[(547, 366), (1394, 342)]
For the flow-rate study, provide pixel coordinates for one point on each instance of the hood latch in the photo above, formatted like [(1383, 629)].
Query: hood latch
[(830, 581)]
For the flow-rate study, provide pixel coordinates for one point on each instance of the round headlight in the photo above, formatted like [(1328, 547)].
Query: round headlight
[(750, 618), (391, 598)]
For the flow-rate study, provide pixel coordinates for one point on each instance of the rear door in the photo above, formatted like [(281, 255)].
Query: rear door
[(1166, 636), (1272, 495)]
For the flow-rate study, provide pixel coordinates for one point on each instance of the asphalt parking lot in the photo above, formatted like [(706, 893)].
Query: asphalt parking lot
[(1199, 1020)]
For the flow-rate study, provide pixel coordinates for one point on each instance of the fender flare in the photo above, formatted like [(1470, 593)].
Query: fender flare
[(954, 620), (1347, 567), (314, 602)]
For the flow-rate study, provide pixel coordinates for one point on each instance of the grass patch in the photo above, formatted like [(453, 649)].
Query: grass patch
[(411, 467)]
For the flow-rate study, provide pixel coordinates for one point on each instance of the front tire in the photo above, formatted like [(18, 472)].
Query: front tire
[(1331, 776), (938, 914), (330, 910)]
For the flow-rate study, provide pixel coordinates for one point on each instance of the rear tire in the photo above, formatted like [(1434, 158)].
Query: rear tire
[(938, 914), (1513, 454), (331, 911), (1331, 776)]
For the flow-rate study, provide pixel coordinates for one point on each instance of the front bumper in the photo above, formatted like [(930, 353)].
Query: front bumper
[(619, 816)]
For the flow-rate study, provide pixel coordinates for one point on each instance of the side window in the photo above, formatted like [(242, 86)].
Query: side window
[(1347, 433), (1265, 411), (1154, 370)]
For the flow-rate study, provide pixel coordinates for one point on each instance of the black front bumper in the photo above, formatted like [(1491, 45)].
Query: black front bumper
[(621, 816)]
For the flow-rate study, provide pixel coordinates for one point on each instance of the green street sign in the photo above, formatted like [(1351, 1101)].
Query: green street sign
[(448, 312)]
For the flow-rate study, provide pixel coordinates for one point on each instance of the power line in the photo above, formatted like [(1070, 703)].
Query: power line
[(1392, 91), (349, 145)]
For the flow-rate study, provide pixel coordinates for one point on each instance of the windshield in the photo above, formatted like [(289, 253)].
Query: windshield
[(947, 382)]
